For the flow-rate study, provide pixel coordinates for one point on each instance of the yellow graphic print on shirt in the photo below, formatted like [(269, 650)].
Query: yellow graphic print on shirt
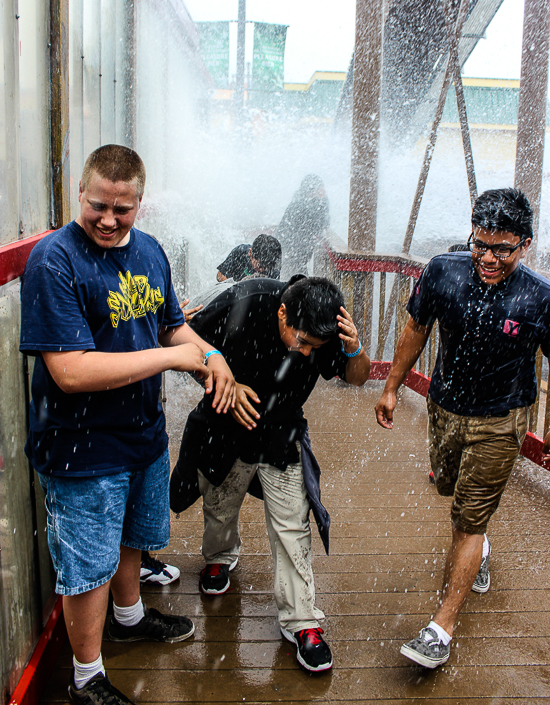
[(136, 299)]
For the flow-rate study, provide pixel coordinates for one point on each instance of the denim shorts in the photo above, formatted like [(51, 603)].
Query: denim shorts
[(472, 458), (89, 518)]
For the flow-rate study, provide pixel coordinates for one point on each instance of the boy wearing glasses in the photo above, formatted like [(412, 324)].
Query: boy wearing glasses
[(493, 315)]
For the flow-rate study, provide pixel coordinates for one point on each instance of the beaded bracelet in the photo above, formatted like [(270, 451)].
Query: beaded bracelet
[(212, 352), (353, 354)]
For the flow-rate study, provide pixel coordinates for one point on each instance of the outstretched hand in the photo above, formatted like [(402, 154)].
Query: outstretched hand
[(189, 313), (221, 379), (242, 411)]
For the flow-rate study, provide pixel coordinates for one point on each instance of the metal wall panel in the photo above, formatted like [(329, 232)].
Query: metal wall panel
[(34, 94), (108, 82), (25, 568), (9, 123), (20, 619), (91, 75)]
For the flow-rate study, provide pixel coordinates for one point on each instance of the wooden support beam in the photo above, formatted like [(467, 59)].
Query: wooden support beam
[(367, 81), (532, 108), (462, 12), (430, 147), (454, 64)]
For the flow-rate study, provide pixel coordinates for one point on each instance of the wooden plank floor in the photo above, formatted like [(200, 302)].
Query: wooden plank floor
[(390, 531)]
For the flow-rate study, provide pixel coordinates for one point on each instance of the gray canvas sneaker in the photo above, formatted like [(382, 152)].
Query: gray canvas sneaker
[(427, 649), (483, 579)]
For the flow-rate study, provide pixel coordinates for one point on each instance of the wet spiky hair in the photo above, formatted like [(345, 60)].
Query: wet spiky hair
[(504, 209)]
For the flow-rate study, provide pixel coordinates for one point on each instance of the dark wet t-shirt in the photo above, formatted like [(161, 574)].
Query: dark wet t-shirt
[(489, 334), (242, 323), (237, 264), (78, 296)]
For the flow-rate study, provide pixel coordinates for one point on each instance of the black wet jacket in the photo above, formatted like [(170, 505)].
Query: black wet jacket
[(242, 323)]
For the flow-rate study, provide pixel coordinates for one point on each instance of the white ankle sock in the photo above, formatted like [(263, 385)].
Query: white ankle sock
[(441, 633), (485, 546), (129, 616), (84, 672)]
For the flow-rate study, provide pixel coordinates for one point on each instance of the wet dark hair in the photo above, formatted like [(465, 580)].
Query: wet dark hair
[(505, 209), (312, 304), (115, 163), (267, 250)]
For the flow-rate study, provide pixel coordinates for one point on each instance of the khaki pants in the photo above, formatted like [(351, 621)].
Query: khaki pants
[(472, 458), (288, 528)]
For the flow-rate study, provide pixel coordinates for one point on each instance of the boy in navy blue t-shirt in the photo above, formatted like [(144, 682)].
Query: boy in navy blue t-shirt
[(493, 315), (100, 314)]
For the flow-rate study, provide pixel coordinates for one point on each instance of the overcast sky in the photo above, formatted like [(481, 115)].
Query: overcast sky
[(320, 35)]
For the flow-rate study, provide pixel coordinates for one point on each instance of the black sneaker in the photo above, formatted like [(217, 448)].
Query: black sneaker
[(214, 578), (155, 626), (427, 649), (155, 571), (97, 691), (483, 579), (313, 651)]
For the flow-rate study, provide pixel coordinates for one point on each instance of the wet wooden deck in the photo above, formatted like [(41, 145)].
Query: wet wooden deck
[(389, 534)]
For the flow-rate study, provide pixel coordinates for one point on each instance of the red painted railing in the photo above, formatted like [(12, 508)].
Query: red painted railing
[(38, 671), (532, 445), (391, 264), (13, 257)]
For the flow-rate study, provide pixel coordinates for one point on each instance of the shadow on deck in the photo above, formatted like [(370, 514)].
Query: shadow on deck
[(390, 531)]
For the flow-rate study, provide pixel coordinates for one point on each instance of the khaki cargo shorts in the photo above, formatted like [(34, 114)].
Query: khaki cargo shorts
[(472, 458)]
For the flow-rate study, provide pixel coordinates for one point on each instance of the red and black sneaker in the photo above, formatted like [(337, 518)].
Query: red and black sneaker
[(431, 477), (214, 578), (313, 651), (155, 571)]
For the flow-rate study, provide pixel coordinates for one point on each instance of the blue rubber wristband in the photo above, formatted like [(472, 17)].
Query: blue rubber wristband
[(212, 352), (353, 354)]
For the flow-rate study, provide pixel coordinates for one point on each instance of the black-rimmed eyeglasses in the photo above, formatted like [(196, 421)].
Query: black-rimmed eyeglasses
[(478, 247)]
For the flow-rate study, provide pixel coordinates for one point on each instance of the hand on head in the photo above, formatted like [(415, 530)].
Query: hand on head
[(348, 332)]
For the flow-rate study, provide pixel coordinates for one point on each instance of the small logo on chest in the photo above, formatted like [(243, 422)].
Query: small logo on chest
[(511, 327)]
